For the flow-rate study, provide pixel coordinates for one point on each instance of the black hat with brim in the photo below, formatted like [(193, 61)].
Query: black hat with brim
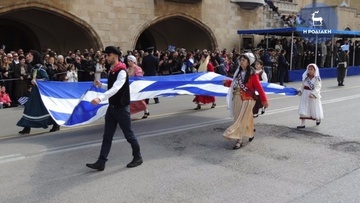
[(149, 49), (112, 49)]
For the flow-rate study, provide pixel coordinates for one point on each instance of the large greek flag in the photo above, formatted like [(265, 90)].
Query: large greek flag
[(69, 103)]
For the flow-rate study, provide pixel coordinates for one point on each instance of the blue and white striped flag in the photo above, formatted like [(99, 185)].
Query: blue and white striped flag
[(70, 103), (23, 100)]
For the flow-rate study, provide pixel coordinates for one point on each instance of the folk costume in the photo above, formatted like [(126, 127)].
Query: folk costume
[(35, 113), (117, 113), (205, 99), (310, 106), (240, 102), (136, 106)]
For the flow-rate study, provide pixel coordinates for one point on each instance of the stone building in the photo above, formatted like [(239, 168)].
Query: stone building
[(78, 24)]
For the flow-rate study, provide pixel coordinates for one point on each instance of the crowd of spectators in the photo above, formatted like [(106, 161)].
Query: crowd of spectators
[(88, 65)]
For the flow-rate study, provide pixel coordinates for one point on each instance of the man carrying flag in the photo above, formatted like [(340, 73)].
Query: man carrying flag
[(118, 111)]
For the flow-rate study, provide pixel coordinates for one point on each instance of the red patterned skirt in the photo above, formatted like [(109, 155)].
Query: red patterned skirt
[(137, 106), (204, 99)]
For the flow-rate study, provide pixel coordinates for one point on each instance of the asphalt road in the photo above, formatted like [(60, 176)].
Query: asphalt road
[(186, 158)]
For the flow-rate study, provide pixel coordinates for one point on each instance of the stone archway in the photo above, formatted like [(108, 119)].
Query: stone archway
[(45, 27), (179, 30)]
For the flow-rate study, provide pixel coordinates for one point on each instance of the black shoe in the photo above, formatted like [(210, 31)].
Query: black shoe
[(342, 84), (300, 126), (318, 122), (213, 105), (135, 162), (96, 166), (198, 107), (251, 138), (146, 115), (55, 127), (26, 130), (238, 145), (262, 110), (157, 101)]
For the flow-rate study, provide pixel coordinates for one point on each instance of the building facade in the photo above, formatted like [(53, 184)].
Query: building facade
[(65, 25)]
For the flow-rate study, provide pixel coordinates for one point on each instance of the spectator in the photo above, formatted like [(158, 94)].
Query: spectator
[(62, 68), (88, 65), (5, 100), (100, 68), (190, 63), (6, 71), (268, 63), (71, 75), (51, 69), (150, 66), (283, 67), (15, 59), (164, 67), (23, 78)]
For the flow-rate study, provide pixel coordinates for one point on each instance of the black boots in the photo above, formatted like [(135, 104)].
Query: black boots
[(97, 166), (55, 127), (26, 130), (135, 162)]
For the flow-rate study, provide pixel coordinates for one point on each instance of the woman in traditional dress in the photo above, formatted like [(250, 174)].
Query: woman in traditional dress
[(35, 113), (135, 70), (310, 106), (240, 100), (204, 99)]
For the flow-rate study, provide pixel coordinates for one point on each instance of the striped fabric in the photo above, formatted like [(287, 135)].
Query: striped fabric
[(70, 103)]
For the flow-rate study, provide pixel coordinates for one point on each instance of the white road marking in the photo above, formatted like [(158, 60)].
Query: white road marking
[(11, 157), (96, 143)]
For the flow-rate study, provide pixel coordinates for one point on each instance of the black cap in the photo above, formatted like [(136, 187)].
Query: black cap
[(112, 49), (150, 49)]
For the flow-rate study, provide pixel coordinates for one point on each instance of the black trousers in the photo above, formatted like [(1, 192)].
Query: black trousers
[(341, 72), (113, 117), (156, 99)]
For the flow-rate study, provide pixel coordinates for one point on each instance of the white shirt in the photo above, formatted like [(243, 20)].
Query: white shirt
[(72, 76), (120, 81)]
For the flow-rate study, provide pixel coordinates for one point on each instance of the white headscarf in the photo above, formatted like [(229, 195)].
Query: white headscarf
[(317, 73), (132, 58)]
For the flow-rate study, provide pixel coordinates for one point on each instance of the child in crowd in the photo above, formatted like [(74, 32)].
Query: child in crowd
[(5, 100)]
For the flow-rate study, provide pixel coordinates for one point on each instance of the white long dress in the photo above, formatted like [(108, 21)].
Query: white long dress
[(311, 108)]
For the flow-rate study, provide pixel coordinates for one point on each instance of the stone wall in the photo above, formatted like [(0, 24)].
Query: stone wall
[(121, 22)]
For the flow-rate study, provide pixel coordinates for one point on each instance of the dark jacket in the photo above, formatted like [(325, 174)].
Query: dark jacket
[(150, 65), (283, 64)]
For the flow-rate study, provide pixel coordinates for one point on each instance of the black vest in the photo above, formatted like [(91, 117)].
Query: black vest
[(122, 97)]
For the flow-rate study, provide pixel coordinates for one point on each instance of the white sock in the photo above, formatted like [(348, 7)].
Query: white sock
[(302, 122)]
